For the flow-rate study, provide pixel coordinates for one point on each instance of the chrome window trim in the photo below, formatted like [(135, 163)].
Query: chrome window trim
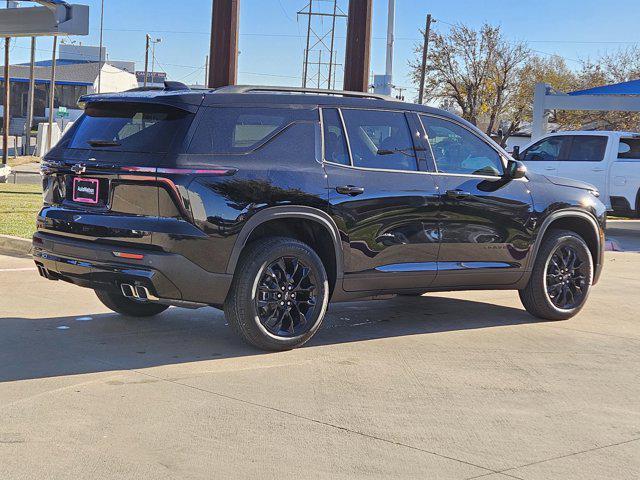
[(366, 169)]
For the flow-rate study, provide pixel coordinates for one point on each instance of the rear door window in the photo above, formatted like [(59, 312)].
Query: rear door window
[(380, 139), (129, 127), (587, 148), (629, 148), (237, 130)]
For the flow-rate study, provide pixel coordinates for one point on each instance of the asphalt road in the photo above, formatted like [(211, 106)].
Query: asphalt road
[(444, 386), (626, 234)]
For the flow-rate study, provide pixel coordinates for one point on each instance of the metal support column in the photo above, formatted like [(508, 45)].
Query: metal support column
[(52, 93), (7, 102), (30, 98)]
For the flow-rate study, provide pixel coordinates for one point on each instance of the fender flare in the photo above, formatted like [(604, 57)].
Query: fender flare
[(563, 214), (283, 212)]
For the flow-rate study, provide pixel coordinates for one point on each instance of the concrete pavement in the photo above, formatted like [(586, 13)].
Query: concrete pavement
[(444, 386)]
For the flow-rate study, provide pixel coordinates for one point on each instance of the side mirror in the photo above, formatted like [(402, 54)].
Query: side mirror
[(516, 169), (516, 153)]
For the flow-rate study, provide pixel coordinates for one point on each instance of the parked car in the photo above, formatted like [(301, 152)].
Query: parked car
[(608, 160), (271, 202)]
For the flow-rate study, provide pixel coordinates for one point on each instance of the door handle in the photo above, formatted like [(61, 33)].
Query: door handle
[(350, 190), (597, 169), (550, 168), (457, 194)]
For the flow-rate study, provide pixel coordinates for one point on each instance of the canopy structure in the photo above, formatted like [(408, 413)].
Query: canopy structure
[(621, 97), (624, 88), (54, 17)]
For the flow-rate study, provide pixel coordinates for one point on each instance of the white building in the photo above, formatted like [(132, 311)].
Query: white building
[(78, 68)]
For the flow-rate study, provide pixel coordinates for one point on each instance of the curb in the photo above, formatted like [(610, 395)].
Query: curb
[(14, 245)]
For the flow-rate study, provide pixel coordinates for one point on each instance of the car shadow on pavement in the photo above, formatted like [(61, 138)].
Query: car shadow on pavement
[(58, 346)]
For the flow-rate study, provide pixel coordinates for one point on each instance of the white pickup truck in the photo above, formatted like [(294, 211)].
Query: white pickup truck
[(608, 160)]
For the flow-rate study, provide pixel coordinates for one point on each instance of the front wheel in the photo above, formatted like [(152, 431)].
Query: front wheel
[(561, 278), (279, 294), (125, 306)]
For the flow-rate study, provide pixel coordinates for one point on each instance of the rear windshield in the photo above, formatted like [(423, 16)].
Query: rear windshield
[(130, 127)]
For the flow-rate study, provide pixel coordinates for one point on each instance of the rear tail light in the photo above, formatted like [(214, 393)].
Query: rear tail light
[(221, 171)]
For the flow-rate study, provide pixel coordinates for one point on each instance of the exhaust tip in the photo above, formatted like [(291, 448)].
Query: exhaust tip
[(42, 271), (128, 291), (144, 294)]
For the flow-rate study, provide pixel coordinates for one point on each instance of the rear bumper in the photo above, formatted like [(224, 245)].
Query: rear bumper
[(92, 265)]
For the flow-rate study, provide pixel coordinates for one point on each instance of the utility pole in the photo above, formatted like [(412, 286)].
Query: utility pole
[(153, 55), (52, 92), (7, 89), (30, 98), (425, 49), (223, 50), (358, 46), (146, 59), (100, 49)]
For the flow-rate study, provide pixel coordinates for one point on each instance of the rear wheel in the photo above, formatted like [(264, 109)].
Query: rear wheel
[(561, 277), (279, 294), (125, 306)]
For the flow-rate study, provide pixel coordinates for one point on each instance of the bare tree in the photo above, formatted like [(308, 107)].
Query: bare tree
[(476, 69)]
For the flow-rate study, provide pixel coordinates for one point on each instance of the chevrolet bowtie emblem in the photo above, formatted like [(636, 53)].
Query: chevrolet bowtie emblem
[(79, 168)]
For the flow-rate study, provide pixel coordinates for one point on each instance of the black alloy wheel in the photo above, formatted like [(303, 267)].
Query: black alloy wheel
[(560, 281), (566, 277), (279, 294), (286, 297)]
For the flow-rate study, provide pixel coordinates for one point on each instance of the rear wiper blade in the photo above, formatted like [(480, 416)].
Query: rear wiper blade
[(103, 143)]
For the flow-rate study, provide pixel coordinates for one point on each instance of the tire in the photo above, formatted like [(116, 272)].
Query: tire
[(544, 300), (254, 306), (125, 306)]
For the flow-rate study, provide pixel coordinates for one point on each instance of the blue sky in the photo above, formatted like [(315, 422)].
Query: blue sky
[(272, 40)]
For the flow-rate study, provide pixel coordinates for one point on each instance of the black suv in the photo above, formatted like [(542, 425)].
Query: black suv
[(270, 202)]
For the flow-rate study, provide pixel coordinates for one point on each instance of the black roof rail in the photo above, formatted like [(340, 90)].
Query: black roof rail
[(317, 91)]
